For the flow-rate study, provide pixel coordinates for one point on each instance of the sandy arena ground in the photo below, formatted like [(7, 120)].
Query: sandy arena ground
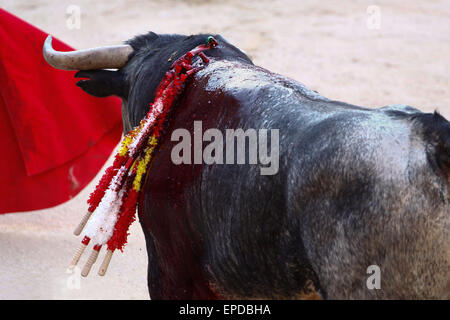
[(333, 47)]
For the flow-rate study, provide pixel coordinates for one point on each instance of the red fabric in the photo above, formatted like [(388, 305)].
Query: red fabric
[(54, 137)]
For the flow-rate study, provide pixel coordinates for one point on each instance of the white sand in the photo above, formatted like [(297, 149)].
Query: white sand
[(325, 45)]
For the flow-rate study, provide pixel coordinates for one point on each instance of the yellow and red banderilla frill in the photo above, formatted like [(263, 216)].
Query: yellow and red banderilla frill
[(112, 205)]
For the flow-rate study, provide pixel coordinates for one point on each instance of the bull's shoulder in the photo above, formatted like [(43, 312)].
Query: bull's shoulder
[(234, 76)]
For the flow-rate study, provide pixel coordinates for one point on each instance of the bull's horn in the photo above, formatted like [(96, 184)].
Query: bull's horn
[(110, 57)]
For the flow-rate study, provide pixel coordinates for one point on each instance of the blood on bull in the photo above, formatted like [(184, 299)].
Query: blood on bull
[(356, 186)]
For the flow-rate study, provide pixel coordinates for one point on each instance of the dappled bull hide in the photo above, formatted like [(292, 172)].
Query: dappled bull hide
[(226, 229), (356, 187)]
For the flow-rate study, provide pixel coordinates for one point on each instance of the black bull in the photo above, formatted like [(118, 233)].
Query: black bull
[(356, 187)]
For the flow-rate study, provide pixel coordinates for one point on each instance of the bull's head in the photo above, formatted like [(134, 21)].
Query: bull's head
[(141, 64)]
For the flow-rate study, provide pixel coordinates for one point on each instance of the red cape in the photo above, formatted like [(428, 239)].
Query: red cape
[(54, 137)]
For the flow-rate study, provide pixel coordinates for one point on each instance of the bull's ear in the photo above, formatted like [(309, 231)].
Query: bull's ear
[(102, 83)]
